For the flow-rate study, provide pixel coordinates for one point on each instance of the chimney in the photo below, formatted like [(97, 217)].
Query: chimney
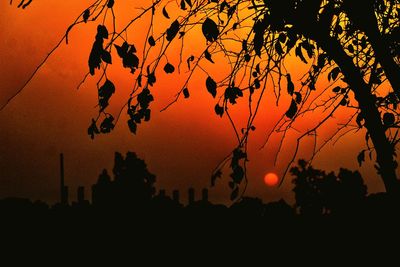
[(63, 188), (81, 194), (175, 196), (204, 195), (191, 196)]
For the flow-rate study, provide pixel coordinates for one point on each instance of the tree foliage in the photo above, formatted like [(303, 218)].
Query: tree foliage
[(354, 46)]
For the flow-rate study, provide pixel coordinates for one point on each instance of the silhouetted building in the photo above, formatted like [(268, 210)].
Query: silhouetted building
[(63, 188), (175, 196), (204, 195), (81, 194), (161, 193), (191, 196)]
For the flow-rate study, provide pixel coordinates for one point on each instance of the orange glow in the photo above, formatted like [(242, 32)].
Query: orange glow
[(271, 179)]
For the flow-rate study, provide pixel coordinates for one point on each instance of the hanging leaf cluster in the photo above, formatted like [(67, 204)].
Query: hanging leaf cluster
[(98, 54)]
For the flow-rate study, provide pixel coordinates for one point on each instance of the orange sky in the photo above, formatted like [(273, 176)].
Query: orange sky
[(181, 145)]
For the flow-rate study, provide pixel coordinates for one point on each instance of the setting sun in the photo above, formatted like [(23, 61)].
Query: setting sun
[(271, 179)]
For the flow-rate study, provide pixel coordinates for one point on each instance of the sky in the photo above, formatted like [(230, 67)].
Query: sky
[(181, 145)]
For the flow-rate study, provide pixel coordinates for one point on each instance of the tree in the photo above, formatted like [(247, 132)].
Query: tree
[(356, 47), (133, 184)]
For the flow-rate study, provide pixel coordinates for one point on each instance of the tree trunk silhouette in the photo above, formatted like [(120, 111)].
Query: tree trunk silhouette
[(366, 21), (373, 123)]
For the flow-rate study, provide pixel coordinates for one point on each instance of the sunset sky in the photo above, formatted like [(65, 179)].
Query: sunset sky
[(181, 145)]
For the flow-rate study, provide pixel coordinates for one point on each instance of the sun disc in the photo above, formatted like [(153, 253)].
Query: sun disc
[(271, 179)]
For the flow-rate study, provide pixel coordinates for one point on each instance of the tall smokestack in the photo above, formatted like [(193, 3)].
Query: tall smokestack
[(62, 200)]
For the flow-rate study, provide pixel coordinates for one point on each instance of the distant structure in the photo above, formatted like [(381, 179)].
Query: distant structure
[(175, 196), (81, 194), (191, 196), (204, 195), (63, 188)]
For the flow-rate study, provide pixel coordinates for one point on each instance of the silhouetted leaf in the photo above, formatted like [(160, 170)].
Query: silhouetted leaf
[(110, 3), (292, 110), (183, 5), (165, 13), (337, 89), (388, 119), (247, 57), (172, 30), (282, 37), (169, 68), (278, 48), (258, 40), (219, 110), (290, 85), (92, 130), (151, 78), (299, 54), (86, 15), (334, 74), (190, 59), (186, 93), (231, 11), (361, 157), (215, 176), (102, 31), (207, 55), (95, 55), (151, 41), (232, 93), (210, 30), (132, 126), (244, 45), (189, 2), (298, 97), (107, 125), (105, 92), (106, 57), (253, 128), (211, 86), (234, 193), (223, 5)]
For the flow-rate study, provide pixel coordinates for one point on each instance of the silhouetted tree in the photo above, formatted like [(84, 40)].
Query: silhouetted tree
[(318, 193), (133, 184), (355, 45)]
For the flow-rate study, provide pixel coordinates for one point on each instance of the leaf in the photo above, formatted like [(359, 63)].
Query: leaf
[(231, 11), (190, 59), (172, 30), (337, 89), (292, 110), (258, 40), (169, 68), (232, 93), (298, 97), (132, 126), (215, 176), (235, 193), (290, 85), (105, 92), (211, 86), (299, 54), (219, 110), (106, 57), (210, 30), (102, 31), (334, 74), (388, 119), (183, 5), (207, 55), (151, 41), (92, 130), (278, 48), (110, 4), (165, 13), (107, 125), (189, 2), (186, 93), (359, 120), (86, 15), (361, 157), (282, 37)]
